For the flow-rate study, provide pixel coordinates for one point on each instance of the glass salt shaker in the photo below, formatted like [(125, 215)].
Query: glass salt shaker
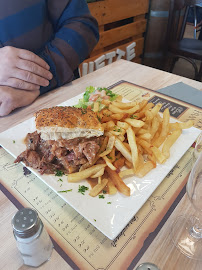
[(32, 238), (147, 266)]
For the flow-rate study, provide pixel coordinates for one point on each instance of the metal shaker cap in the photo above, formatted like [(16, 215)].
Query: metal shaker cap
[(26, 223), (147, 266)]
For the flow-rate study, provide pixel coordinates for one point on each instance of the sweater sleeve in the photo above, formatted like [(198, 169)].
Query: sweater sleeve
[(75, 36)]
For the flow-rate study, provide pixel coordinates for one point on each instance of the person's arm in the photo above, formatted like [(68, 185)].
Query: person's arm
[(76, 34), (11, 99)]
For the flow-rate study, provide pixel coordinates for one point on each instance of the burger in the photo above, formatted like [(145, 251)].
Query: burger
[(66, 138)]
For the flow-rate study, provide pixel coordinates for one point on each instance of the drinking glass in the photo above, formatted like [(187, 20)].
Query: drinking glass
[(186, 232), (198, 147)]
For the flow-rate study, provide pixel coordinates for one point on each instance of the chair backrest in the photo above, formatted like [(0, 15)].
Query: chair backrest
[(178, 13), (193, 2)]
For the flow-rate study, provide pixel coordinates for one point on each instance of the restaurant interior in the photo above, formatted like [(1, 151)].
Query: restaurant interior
[(141, 205)]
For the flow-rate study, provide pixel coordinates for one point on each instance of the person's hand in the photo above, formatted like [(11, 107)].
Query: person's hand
[(23, 69), (11, 99)]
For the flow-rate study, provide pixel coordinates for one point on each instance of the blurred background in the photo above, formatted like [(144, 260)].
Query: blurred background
[(144, 22)]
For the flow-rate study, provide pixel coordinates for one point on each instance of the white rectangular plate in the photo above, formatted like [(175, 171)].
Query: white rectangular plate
[(110, 219)]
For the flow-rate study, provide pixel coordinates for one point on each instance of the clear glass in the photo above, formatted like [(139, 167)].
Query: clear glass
[(186, 232), (198, 147)]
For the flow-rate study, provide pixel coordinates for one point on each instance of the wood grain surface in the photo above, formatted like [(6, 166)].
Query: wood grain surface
[(161, 251)]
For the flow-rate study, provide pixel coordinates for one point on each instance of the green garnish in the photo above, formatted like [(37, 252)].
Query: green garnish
[(86, 95), (94, 219), (104, 191), (108, 202), (13, 141), (109, 157), (101, 197), (59, 173), (81, 104), (133, 116), (108, 93), (117, 130), (64, 191), (84, 102), (60, 180), (83, 111), (99, 119), (82, 189)]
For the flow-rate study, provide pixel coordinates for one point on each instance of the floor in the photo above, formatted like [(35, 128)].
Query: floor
[(185, 69)]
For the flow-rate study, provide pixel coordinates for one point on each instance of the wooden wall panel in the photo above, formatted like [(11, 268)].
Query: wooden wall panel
[(109, 11), (120, 23), (120, 33), (138, 52)]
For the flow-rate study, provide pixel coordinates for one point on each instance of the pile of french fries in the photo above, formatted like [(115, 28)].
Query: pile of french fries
[(136, 138)]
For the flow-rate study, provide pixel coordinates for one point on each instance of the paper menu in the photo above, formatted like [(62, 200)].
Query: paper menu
[(82, 242), (178, 109)]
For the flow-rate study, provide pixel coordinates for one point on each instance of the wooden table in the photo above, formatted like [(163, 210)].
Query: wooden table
[(161, 251)]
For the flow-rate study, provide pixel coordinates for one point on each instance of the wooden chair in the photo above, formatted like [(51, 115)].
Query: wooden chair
[(176, 45)]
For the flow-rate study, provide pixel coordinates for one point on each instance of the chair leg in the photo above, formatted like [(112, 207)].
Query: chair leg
[(199, 76), (169, 63), (174, 60), (194, 66), (200, 34)]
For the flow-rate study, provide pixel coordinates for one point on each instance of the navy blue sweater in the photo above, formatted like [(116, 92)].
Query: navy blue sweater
[(62, 32)]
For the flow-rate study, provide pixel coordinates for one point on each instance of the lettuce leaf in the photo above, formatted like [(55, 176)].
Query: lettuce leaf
[(84, 102), (89, 90)]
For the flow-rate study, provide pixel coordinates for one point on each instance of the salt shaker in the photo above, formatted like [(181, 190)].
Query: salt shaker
[(32, 238), (147, 266)]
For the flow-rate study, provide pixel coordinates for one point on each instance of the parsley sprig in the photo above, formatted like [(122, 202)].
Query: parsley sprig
[(65, 191), (82, 189), (59, 173)]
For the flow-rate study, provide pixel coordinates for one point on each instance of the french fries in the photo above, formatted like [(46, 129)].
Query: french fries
[(134, 122), (99, 187), (96, 107), (183, 125), (143, 170), (122, 105), (123, 150), (99, 173), (111, 187), (109, 164), (158, 154), (170, 141), (109, 147), (127, 172), (119, 163), (133, 146), (78, 176), (117, 116), (164, 130), (118, 182), (115, 109), (136, 139), (123, 125)]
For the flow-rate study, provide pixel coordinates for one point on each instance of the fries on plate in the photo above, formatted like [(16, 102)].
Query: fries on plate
[(136, 139)]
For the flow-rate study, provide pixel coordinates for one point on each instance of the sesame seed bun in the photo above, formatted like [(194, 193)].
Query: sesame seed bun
[(67, 123)]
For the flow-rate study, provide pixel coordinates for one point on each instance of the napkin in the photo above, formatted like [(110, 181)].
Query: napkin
[(183, 92)]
